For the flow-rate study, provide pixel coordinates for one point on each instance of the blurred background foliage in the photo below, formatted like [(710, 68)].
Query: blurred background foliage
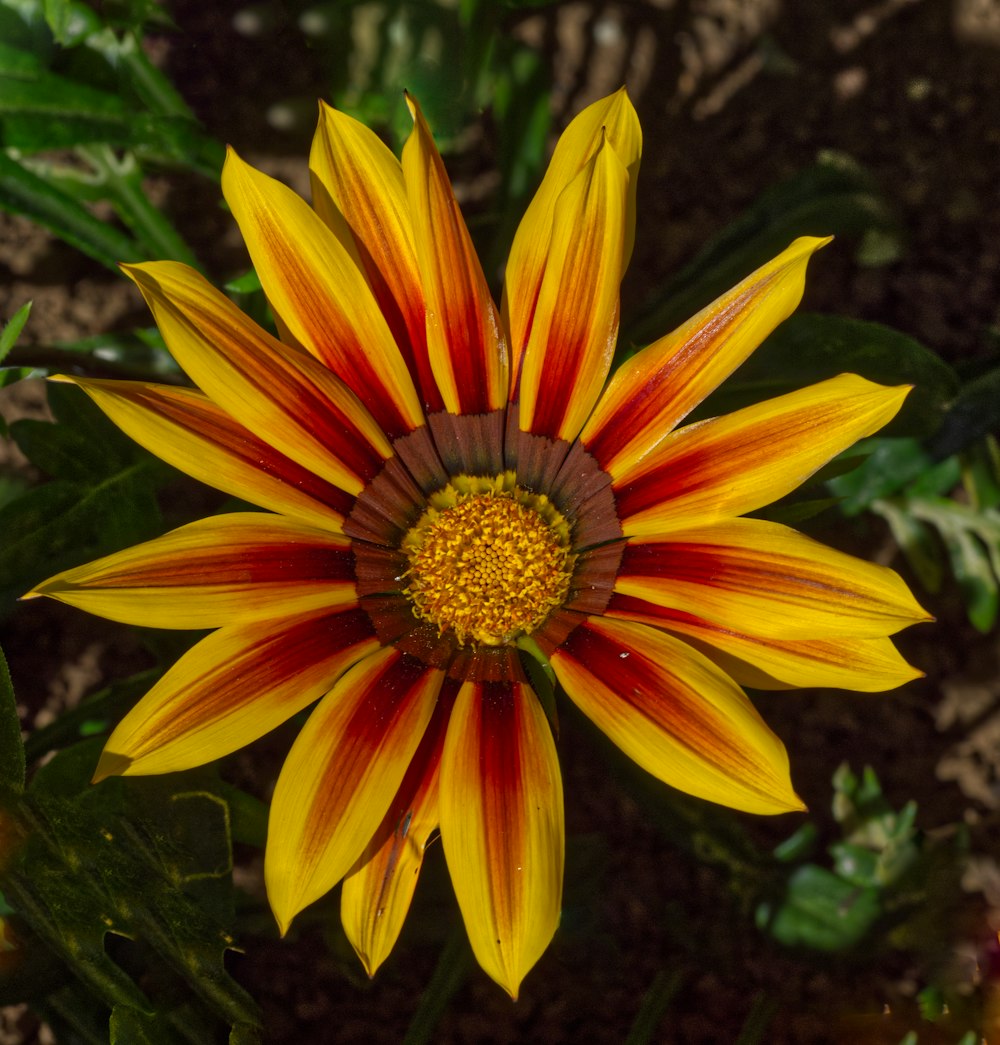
[(117, 902)]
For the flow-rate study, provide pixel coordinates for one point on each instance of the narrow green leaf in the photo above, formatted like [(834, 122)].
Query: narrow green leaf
[(450, 974), (12, 329), (11, 746), (22, 192), (653, 1007)]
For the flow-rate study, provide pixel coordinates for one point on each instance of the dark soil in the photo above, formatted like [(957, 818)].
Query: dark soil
[(911, 90)]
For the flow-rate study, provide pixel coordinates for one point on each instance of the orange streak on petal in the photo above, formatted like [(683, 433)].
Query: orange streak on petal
[(730, 465), (376, 894), (358, 184), (341, 775), (187, 430), (676, 714), (651, 392), (768, 580), (234, 686), (322, 296), (227, 569), (612, 120), (308, 414), (575, 325), (467, 348), (502, 825), (866, 665)]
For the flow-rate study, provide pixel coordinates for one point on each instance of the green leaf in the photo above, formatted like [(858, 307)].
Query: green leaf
[(22, 192), (11, 746), (63, 523), (148, 859), (95, 713), (129, 1026), (834, 197), (822, 911), (12, 329), (654, 1007), (974, 413), (890, 465), (973, 570), (810, 347), (61, 452), (449, 975), (916, 541)]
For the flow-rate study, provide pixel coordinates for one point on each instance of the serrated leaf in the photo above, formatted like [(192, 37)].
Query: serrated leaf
[(12, 329), (11, 746), (145, 868), (22, 192)]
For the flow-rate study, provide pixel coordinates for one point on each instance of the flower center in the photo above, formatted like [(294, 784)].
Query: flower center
[(488, 560)]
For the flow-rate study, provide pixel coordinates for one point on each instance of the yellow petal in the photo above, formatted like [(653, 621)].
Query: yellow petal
[(767, 580), (307, 413), (676, 714), (654, 390), (612, 120), (229, 569), (233, 687), (358, 186), (341, 775), (376, 894), (467, 349), (502, 826), (187, 430), (321, 294), (865, 665), (737, 463), (575, 325)]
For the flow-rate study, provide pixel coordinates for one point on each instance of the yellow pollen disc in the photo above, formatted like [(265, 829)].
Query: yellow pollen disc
[(488, 560)]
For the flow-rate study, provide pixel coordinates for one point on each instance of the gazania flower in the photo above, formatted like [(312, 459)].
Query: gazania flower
[(451, 488)]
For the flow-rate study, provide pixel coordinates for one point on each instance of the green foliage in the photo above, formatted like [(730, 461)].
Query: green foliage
[(836, 197), (146, 861), (883, 870), (11, 747), (101, 497), (70, 80), (944, 515)]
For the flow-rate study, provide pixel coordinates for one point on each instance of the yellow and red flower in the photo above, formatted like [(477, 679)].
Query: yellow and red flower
[(449, 487)]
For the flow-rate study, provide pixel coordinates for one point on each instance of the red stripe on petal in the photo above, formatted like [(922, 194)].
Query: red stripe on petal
[(341, 775), (190, 432), (234, 686), (502, 825), (467, 348), (669, 708)]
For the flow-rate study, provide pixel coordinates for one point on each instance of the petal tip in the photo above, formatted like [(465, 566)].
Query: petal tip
[(111, 763)]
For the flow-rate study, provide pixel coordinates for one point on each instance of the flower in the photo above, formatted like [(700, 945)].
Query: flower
[(450, 488)]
